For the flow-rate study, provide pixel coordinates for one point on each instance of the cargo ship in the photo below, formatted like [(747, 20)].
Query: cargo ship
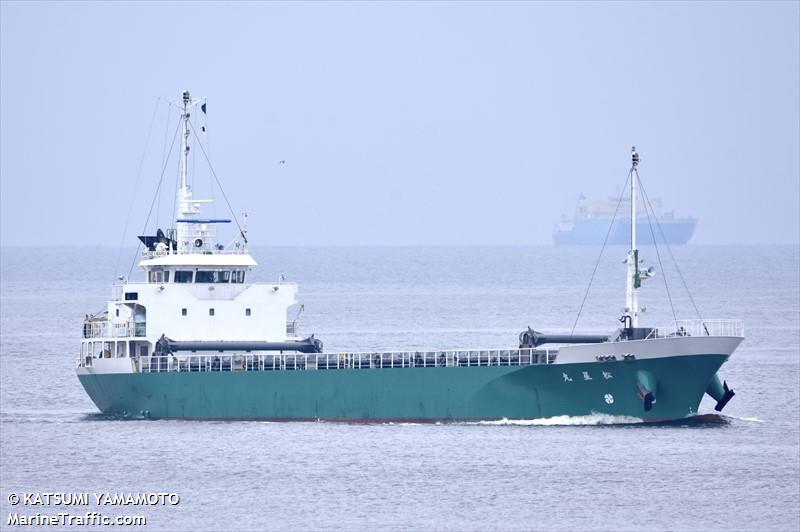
[(595, 222), (194, 338)]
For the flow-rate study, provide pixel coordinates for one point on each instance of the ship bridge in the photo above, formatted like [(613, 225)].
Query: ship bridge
[(196, 290), (211, 267)]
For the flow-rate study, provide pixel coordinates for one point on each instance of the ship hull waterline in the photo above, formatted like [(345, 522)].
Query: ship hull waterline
[(412, 394)]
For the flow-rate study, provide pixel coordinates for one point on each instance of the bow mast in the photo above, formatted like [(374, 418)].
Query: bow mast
[(634, 280)]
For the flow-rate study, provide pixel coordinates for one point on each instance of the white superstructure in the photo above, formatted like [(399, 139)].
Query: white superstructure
[(194, 289)]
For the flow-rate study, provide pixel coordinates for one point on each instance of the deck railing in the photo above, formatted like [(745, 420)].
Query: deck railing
[(107, 329), (148, 254), (700, 327), (331, 361)]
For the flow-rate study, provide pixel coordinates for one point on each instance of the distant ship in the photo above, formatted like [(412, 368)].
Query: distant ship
[(592, 220)]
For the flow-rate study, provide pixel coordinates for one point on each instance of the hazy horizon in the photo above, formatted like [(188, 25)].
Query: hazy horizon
[(597, 247), (400, 124)]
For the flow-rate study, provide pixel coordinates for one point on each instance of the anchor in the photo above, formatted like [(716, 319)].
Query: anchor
[(720, 392), (647, 386)]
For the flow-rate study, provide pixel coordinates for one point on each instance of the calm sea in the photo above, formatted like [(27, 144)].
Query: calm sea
[(738, 471)]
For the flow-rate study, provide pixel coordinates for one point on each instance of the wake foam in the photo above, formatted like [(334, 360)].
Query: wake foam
[(748, 419), (592, 419)]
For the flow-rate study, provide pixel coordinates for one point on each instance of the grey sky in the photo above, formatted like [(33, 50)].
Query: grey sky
[(402, 123)]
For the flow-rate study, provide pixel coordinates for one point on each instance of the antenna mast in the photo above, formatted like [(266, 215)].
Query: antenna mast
[(185, 140), (186, 208), (634, 280)]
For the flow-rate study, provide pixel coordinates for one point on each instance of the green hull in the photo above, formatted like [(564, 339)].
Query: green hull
[(413, 394)]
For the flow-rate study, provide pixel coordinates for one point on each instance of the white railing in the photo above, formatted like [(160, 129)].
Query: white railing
[(699, 327), (148, 254), (114, 329), (331, 361)]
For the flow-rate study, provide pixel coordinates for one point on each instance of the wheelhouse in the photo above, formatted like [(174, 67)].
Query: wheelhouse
[(188, 275)]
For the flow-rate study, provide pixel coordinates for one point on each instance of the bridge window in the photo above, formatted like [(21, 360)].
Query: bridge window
[(215, 276), (238, 276), (183, 276), (159, 276)]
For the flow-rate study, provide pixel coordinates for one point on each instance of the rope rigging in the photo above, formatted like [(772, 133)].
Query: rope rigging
[(669, 249), (605, 241), (647, 209), (155, 204), (155, 196), (163, 153), (135, 187), (219, 184)]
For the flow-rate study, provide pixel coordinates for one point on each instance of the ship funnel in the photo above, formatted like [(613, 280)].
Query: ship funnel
[(647, 386), (719, 392)]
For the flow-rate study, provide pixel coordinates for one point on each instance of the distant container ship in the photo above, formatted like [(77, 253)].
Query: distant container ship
[(592, 219)]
